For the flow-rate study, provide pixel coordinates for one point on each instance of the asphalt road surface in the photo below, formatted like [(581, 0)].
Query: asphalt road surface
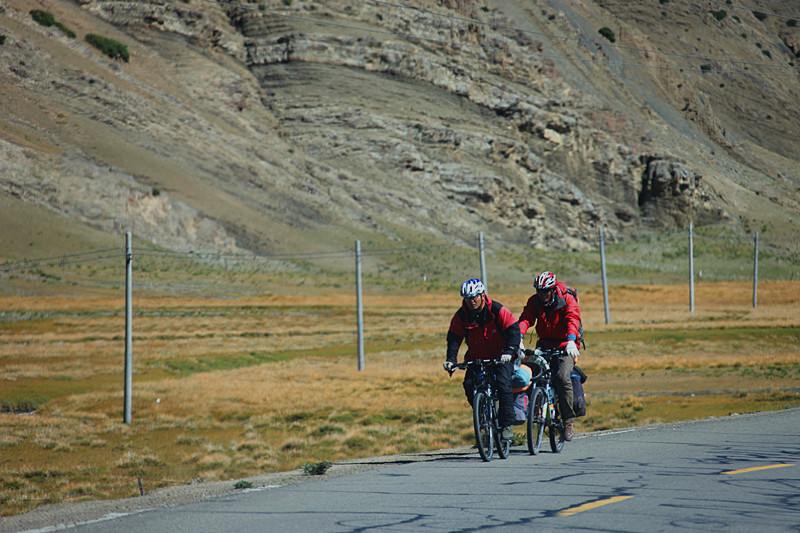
[(738, 473)]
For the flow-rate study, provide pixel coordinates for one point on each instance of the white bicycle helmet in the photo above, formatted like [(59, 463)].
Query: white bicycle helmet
[(544, 281), (471, 288)]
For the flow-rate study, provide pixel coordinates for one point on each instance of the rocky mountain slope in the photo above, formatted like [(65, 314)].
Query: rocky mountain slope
[(287, 125)]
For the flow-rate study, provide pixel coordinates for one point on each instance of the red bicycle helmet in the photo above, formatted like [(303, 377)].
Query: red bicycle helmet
[(544, 281)]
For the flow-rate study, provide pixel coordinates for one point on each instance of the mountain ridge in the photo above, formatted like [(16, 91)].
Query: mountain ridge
[(255, 127)]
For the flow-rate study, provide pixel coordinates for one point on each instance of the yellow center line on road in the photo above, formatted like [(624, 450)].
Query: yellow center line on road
[(755, 468), (592, 505)]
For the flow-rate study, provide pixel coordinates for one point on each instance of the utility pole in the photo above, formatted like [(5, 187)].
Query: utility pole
[(483, 260), (691, 270), (360, 308), (603, 274), (755, 272), (128, 328)]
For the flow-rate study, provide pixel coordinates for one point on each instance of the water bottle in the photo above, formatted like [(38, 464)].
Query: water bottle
[(551, 404)]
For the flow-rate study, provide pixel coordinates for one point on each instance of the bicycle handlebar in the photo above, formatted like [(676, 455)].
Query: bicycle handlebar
[(547, 352), (465, 364)]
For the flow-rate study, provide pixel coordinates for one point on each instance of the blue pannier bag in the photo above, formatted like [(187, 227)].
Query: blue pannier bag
[(521, 378)]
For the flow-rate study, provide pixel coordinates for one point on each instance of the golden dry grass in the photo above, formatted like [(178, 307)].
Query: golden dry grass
[(226, 388)]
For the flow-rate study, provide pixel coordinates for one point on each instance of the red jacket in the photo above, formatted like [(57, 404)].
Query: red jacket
[(484, 340), (554, 323)]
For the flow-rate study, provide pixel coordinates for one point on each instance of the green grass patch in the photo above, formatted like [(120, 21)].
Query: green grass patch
[(755, 335), (775, 371), (326, 429), (186, 367), (344, 418), (630, 410), (300, 416), (28, 394)]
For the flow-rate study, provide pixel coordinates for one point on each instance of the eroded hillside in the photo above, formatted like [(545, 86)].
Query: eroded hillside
[(277, 125)]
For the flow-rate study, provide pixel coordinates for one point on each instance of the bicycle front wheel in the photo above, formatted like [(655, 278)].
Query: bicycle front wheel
[(482, 420), (536, 408)]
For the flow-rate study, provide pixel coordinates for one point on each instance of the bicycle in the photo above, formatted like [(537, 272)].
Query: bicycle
[(543, 410), (485, 419)]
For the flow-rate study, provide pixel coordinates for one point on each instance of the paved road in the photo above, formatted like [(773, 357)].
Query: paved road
[(690, 476)]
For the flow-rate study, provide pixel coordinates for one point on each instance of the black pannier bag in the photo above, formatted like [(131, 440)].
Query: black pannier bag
[(578, 397)]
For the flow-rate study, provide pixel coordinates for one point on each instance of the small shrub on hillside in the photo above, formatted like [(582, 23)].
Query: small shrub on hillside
[(316, 469), (607, 33), (2, 39), (719, 15), (243, 484), (110, 47), (791, 22), (46, 19), (759, 15), (66, 31)]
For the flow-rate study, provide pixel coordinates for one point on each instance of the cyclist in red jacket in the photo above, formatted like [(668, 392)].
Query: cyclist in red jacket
[(555, 312), (491, 332)]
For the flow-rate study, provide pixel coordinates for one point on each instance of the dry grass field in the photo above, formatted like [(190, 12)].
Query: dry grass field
[(224, 388)]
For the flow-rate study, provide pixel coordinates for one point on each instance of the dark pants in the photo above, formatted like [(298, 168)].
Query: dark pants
[(502, 382), (563, 386)]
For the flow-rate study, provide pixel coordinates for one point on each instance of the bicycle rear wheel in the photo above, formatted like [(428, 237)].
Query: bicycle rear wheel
[(535, 421), (482, 421)]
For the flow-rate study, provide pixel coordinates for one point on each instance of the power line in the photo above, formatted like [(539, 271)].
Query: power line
[(65, 259), (63, 256), (703, 68), (152, 252), (102, 255), (243, 257), (394, 251)]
